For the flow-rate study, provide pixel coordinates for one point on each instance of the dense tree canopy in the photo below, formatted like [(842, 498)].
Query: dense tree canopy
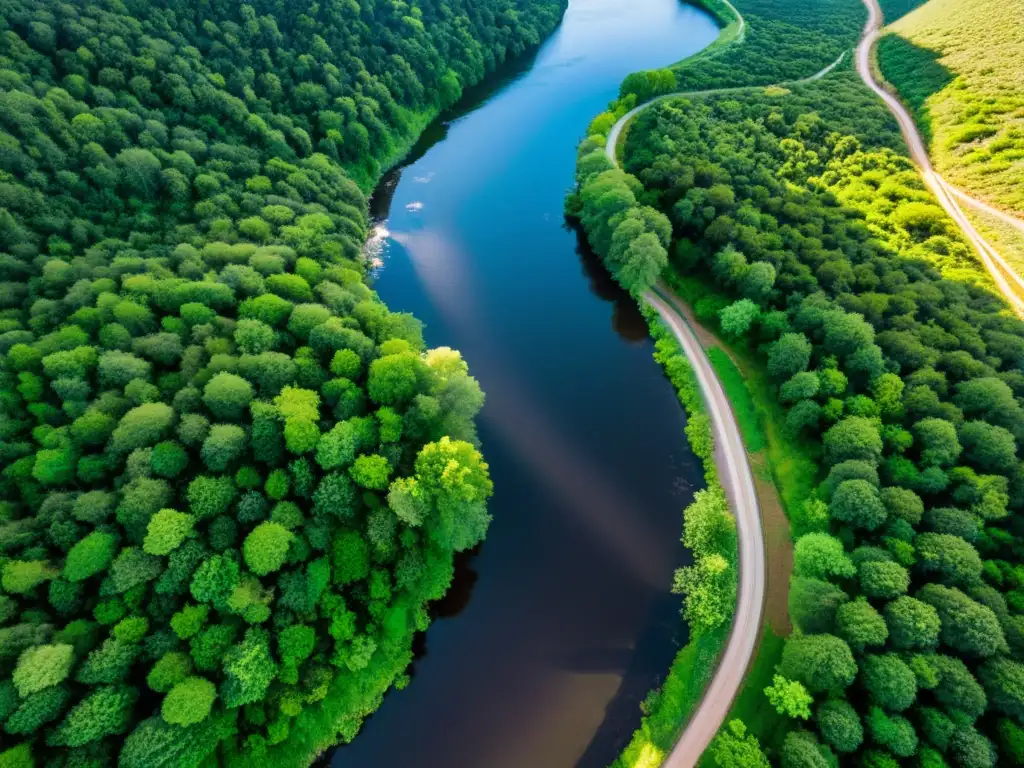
[(899, 370), (232, 479)]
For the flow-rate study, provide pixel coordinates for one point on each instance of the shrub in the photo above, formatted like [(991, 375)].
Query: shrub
[(189, 702)]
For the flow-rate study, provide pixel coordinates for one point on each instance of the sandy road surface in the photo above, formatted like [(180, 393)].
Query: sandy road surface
[(738, 481)]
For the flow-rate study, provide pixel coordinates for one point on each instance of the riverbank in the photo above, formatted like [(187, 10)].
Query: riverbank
[(756, 199), (472, 228), (673, 703)]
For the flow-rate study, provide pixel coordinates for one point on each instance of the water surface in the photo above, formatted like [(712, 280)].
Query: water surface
[(555, 630)]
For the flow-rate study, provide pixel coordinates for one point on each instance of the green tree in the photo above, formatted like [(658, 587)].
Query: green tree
[(823, 663), (939, 444), (41, 667), (1003, 680), (988, 447), (801, 749), (106, 711), (788, 356), (813, 604), (90, 556), (142, 426), (884, 579), (371, 472), (854, 437), (892, 731), (858, 503), (189, 702), (227, 396), (913, 624), (166, 531), (789, 698), (889, 681), (860, 625), (950, 558), (739, 317), (819, 555), (266, 547), (967, 626), (249, 669), (395, 379), (733, 747), (839, 725)]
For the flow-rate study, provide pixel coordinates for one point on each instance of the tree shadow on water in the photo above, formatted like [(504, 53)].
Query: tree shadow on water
[(627, 321), (643, 668)]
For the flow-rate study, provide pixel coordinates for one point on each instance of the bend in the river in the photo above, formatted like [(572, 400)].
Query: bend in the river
[(557, 628)]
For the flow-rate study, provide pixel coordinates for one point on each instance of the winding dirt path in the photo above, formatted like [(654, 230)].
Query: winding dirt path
[(1005, 277), (738, 482), (730, 455)]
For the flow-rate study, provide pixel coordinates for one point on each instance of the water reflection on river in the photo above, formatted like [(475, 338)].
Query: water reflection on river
[(557, 627)]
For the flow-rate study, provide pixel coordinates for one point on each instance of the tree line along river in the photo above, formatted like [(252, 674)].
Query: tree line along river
[(558, 626)]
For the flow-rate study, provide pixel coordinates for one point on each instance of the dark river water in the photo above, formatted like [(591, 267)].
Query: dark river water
[(557, 627)]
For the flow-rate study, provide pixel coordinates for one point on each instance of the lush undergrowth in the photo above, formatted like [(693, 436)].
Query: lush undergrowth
[(709, 585), (959, 64), (899, 368), (232, 479), (668, 708)]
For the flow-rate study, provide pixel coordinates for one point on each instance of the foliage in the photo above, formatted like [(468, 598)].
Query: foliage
[(184, 320), (899, 369), (189, 701), (789, 698), (733, 747), (709, 530)]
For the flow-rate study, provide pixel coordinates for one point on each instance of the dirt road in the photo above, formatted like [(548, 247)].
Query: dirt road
[(1006, 279), (738, 481)]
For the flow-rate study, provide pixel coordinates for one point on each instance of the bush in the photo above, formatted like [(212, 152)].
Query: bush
[(189, 702), (266, 547)]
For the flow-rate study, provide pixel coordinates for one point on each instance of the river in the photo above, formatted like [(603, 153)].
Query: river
[(557, 627)]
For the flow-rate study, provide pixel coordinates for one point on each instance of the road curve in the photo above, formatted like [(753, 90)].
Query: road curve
[(738, 482), (999, 270), (730, 455), (1007, 281), (616, 131), (612, 143), (1003, 216)]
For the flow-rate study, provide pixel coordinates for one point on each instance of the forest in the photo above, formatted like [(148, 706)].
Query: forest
[(782, 41), (232, 478), (900, 372)]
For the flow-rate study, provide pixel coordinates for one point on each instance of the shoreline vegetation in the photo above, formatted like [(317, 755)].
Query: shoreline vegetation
[(793, 222), (709, 584), (233, 479)]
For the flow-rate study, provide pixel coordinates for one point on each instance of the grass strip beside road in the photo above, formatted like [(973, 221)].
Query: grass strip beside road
[(735, 387)]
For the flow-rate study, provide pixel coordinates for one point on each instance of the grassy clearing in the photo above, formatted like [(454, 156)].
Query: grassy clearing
[(959, 65), (752, 706), (793, 466), (1006, 239)]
